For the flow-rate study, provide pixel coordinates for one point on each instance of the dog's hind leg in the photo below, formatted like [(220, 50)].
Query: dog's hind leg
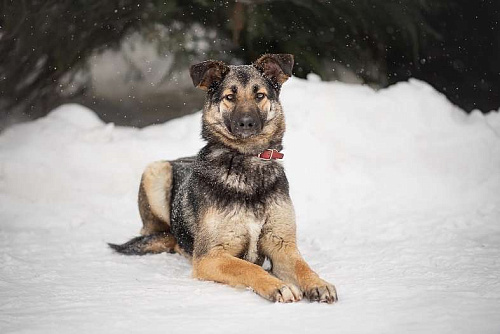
[(154, 208), (154, 197)]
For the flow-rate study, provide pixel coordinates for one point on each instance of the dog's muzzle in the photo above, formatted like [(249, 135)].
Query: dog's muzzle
[(246, 124)]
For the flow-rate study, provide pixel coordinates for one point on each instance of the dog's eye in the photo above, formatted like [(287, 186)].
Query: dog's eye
[(230, 97), (260, 96)]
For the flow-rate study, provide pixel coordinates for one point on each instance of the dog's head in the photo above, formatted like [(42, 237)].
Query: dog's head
[(242, 109)]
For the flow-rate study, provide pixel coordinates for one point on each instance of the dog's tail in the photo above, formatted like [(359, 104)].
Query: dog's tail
[(148, 244)]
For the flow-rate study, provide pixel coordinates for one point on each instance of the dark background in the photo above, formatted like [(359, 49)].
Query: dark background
[(46, 48)]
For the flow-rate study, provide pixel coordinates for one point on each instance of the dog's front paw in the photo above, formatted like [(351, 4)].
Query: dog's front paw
[(280, 292), (287, 293), (321, 292)]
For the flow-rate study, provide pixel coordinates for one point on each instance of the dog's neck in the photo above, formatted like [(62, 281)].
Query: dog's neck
[(214, 151), (243, 176)]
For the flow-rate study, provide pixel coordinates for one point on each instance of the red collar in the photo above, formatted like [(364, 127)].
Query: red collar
[(270, 154)]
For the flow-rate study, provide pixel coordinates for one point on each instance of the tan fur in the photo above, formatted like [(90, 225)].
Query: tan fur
[(265, 105), (156, 184), (157, 180), (150, 223), (224, 268), (278, 242), (234, 231), (165, 244)]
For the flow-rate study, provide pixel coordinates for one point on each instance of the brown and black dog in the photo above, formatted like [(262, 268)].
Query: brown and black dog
[(229, 208)]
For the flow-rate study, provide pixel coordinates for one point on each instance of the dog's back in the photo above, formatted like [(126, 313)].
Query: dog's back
[(182, 208)]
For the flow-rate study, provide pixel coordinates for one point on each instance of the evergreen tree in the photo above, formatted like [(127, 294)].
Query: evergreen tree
[(44, 43)]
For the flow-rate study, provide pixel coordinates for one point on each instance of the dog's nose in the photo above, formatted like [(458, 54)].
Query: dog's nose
[(246, 122), (245, 125)]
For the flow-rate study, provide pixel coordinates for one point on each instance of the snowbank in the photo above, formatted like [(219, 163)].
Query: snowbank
[(396, 192)]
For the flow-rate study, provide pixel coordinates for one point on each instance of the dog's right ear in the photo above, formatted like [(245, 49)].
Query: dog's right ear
[(208, 73)]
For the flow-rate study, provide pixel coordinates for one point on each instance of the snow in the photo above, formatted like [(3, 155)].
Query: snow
[(396, 193)]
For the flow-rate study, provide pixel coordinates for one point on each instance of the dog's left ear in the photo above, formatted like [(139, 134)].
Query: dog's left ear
[(207, 74), (276, 67)]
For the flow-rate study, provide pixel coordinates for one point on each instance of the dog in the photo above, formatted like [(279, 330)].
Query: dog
[(228, 208)]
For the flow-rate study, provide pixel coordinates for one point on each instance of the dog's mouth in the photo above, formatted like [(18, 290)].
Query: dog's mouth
[(244, 142), (245, 133), (224, 130)]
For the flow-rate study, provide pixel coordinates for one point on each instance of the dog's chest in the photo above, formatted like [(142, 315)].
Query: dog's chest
[(253, 229), (239, 232)]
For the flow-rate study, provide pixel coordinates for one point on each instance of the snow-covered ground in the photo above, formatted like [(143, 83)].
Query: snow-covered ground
[(397, 194)]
